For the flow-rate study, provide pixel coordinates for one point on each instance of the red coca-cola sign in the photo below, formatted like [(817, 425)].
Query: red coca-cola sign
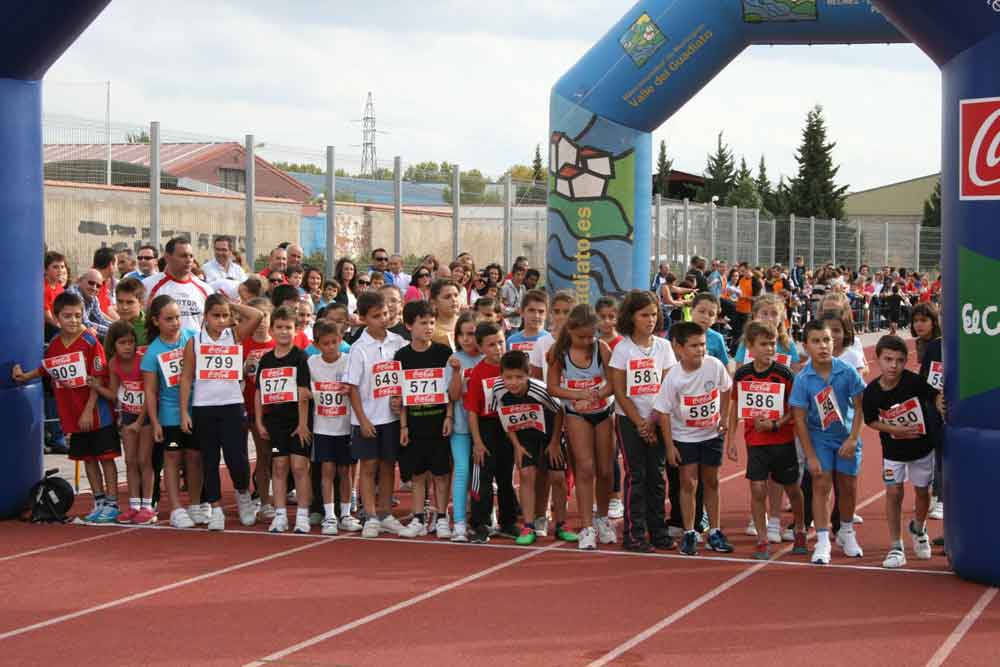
[(979, 163)]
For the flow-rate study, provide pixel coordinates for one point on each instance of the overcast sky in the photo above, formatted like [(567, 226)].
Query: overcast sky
[(469, 82)]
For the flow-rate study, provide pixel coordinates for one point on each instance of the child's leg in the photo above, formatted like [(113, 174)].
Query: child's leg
[(688, 492), (775, 500), (328, 471), (145, 462), (821, 486), (234, 447), (605, 462), (542, 491), (441, 484), (130, 441), (172, 477), (461, 450), (581, 440), (386, 475), (560, 494), (95, 477), (527, 490), (366, 482), (194, 474), (710, 482), (110, 472), (481, 490), (345, 485), (303, 481), (894, 510), (506, 496), (208, 435), (923, 504), (847, 485), (262, 473), (634, 454), (279, 476), (758, 495), (419, 492), (795, 497)]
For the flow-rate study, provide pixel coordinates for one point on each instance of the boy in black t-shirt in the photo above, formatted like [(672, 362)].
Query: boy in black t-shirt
[(283, 416), (898, 405), (425, 417)]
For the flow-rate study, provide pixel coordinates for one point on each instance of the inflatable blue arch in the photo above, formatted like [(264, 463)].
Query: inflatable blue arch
[(601, 115)]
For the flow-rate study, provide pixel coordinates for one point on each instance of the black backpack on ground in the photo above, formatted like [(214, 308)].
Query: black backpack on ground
[(50, 499)]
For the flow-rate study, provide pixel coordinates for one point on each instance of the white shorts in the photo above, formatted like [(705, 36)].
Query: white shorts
[(919, 473)]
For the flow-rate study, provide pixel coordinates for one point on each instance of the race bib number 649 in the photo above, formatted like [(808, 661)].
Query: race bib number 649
[(386, 377)]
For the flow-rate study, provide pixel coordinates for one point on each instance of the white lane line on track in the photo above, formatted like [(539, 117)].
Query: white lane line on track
[(962, 628), (71, 543)]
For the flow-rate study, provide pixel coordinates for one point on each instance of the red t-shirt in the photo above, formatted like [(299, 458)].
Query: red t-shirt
[(475, 396), (69, 366), (776, 374), (104, 296), (614, 342), (253, 351), (301, 340), (49, 294)]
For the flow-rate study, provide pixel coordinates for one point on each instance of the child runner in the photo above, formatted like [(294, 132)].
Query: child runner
[(375, 378), (75, 362), (488, 309), (534, 307), (332, 425), (577, 365), (255, 347), (283, 418), (607, 325), (693, 410), (897, 404), (826, 397), (129, 297), (161, 377), (213, 370), (761, 391), (461, 363), (637, 368), (446, 303), (926, 328), (533, 422), (426, 415)]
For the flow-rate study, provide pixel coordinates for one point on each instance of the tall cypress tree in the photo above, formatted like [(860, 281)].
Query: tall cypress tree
[(763, 183), (932, 208), (745, 193), (813, 191), (537, 169), (661, 182), (720, 174)]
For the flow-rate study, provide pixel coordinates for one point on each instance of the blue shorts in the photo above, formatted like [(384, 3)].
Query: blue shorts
[(826, 452), (332, 449)]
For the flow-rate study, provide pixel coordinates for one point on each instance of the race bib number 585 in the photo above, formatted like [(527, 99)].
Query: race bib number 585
[(701, 410)]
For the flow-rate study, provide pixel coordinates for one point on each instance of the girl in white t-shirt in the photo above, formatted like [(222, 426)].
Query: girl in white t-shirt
[(638, 365)]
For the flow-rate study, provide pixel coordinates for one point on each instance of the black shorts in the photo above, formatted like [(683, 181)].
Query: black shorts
[(175, 440), (538, 455), (593, 418), (128, 418), (707, 453), (283, 443), (427, 454), (332, 449), (383, 447), (780, 462), (100, 445)]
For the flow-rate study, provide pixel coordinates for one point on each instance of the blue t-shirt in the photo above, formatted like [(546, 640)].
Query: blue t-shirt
[(461, 420), (312, 350), (519, 337), (169, 405), (716, 346), (791, 350), (847, 385)]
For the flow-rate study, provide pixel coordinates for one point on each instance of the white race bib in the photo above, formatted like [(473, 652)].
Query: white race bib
[(907, 413), (131, 396), (935, 376), (701, 410), (587, 407), (424, 386), (523, 346), (522, 417), (829, 411), (171, 365), (277, 385), (219, 362), (386, 377), (765, 400), (68, 371), (642, 377), (331, 399)]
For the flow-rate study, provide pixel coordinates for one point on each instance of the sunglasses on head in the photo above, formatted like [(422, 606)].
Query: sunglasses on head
[(146, 258), (275, 280), (364, 282), (381, 259)]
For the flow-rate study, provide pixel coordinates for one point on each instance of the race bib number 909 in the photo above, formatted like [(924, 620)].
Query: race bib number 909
[(68, 371)]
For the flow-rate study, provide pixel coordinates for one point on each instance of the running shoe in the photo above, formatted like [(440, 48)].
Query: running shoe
[(391, 524), (858, 519), (847, 540), (664, 543), (788, 535), (800, 548), (717, 542), (896, 558), (441, 528), (640, 547), (480, 535), (198, 514), (587, 539), (527, 537), (676, 532), (821, 553), (267, 511), (703, 524), (937, 511), (302, 524), (316, 518), (459, 533), (508, 532), (415, 528), (217, 521), (762, 551), (774, 533), (329, 526), (564, 534), (616, 508), (247, 511), (372, 528), (94, 515), (128, 516), (279, 524), (921, 542), (349, 524), (605, 532), (180, 518), (144, 517), (542, 527), (750, 530), (689, 543), (109, 514)]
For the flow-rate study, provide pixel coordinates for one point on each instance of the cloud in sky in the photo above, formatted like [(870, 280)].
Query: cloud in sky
[(469, 83)]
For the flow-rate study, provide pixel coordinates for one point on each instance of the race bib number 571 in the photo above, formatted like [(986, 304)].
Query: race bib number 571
[(424, 386)]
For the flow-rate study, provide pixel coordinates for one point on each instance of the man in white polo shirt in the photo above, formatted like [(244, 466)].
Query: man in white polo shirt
[(223, 266), (187, 290)]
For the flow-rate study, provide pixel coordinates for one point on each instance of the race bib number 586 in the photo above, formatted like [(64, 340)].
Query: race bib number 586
[(764, 400)]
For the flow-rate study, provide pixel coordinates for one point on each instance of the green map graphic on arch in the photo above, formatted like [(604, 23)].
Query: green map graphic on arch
[(642, 39), (979, 333), (764, 11)]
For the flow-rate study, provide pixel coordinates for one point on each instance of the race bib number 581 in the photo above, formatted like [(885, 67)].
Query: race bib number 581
[(643, 377)]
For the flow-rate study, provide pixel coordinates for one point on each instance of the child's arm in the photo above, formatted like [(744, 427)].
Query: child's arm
[(259, 414), (554, 450), (187, 379), (109, 393), (607, 390), (150, 385), (802, 431), (554, 384), (455, 386), (847, 450), (478, 448), (21, 377), (404, 428), (731, 450), (367, 430), (302, 430), (673, 454), (724, 413), (626, 404), (250, 319), (519, 451)]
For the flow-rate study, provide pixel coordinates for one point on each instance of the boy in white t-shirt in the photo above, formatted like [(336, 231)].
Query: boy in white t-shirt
[(693, 410), (332, 424), (375, 379)]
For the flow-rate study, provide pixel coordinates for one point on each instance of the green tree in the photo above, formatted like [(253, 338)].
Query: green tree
[(932, 208), (537, 167), (473, 189), (140, 137), (720, 174), (661, 182), (304, 168), (745, 193), (764, 189), (341, 173), (814, 191)]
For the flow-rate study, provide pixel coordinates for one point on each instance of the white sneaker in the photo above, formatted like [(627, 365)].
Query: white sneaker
[(459, 533), (858, 519), (217, 521), (329, 526), (821, 554), (895, 558), (616, 508), (391, 524), (605, 532), (180, 518), (542, 527), (372, 528), (848, 541), (442, 529), (774, 533), (198, 514), (247, 511), (588, 539), (349, 524), (302, 525), (416, 528), (279, 524), (788, 535), (921, 544), (751, 530), (267, 511), (937, 511)]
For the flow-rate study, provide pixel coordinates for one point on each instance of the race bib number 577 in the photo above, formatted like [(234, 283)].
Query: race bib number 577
[(277, 385)]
